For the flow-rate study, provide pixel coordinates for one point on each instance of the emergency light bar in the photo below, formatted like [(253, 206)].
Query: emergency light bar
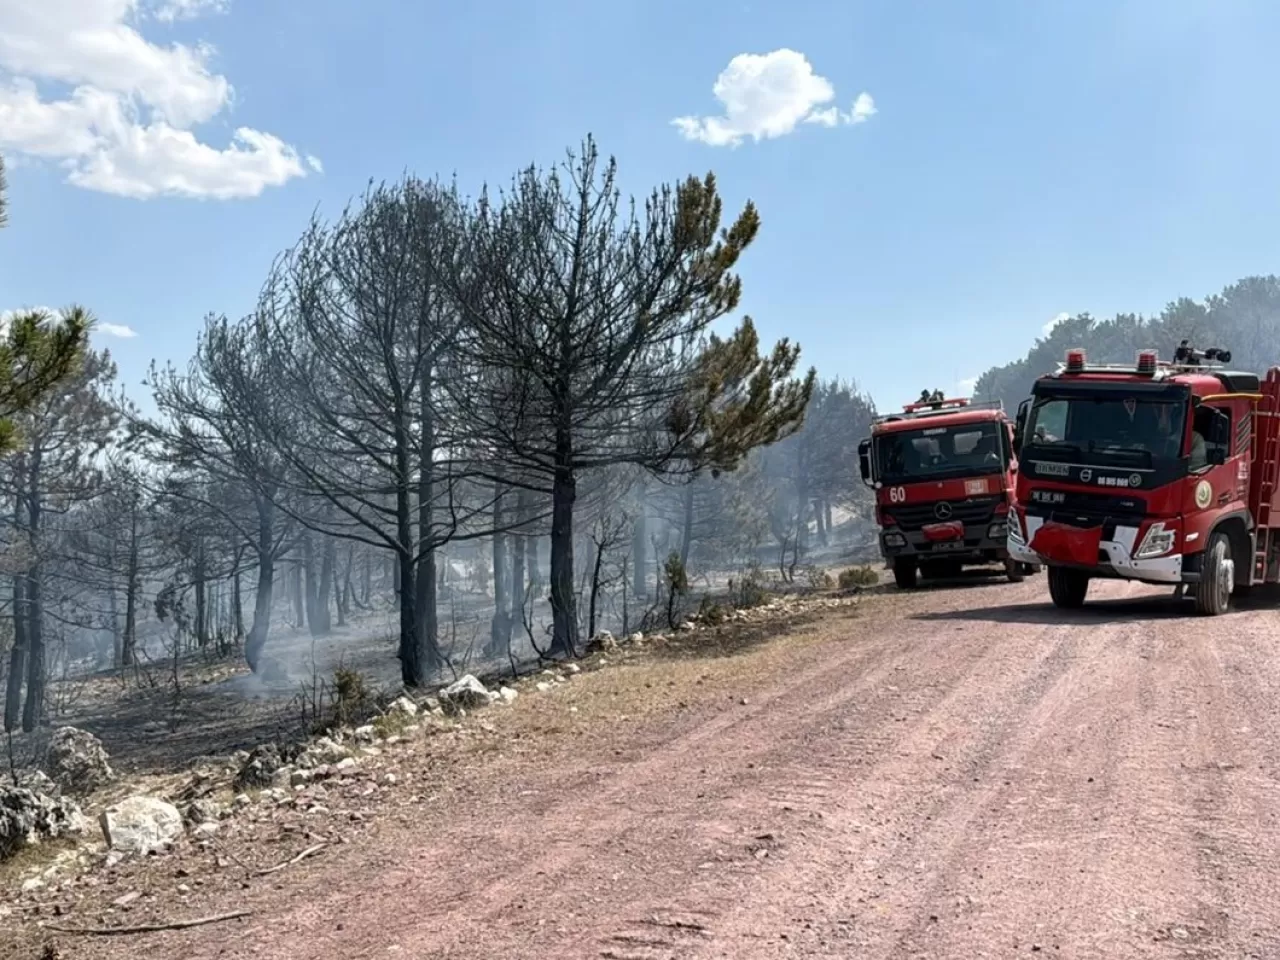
[(1147, 360), (935, 404)]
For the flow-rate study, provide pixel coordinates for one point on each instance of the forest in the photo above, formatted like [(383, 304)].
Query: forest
[(451, 429), (1244, 318)]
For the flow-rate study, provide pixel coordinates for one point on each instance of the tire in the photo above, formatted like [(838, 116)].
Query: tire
[(905, 573), (1067, 587), (1213, 592), (1015, 571)]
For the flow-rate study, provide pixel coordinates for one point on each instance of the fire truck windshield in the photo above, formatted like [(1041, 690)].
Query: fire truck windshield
[(931, 453), (1106, 429)]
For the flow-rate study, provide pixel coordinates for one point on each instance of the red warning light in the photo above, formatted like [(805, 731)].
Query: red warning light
[(1147, 361), (1075, 360)]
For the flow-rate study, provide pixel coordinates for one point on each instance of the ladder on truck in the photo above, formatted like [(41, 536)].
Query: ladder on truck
[(1266, 463)]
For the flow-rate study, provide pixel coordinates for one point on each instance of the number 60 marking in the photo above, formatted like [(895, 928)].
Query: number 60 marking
[(897, 494)]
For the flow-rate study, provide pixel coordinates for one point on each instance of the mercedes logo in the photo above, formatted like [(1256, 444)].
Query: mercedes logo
[(942, 511)]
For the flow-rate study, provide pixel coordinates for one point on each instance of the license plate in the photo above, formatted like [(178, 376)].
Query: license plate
[(975, 487), (950, 545)]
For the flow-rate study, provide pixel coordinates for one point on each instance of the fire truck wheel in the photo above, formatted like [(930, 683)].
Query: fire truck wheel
[(1067, 587), (904, 573), (1015, 571), (1213, 592)]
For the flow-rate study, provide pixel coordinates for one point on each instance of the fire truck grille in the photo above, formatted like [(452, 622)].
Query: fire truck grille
[(913, 516), (1086, 509)]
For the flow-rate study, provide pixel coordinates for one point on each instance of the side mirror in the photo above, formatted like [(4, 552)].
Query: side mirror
[(1219, 429), (1216, 456), (1019, 426), (864, 461)]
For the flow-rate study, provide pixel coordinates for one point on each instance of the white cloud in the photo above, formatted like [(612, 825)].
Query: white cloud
[(125, 126), (766, 96), (116, 330), (171, 11), (967, 386), (1060, 318)]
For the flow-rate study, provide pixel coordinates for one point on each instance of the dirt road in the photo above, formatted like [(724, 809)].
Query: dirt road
[(959, 773)]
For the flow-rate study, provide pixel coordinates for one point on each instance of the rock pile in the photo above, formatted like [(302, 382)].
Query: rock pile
[(78, 762), (27, 818)]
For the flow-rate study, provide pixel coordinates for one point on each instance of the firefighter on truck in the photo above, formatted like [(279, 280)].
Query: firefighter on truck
[(943, 474), (1160, 472)]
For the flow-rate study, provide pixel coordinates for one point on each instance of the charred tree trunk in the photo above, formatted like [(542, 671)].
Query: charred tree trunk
[(200, 585), (33, 708), (564, 613), (516, 614), (426, 587), (257, 638), (500, 626), (596, 566), (686, 533), (321, 623), (295, 589), (639, 542), (237, 598), (17, 656), (532, 570), (820, 516), (129, 642), (310, 586)]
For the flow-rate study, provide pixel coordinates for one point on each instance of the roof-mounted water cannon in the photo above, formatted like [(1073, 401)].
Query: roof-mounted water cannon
[(1075, 360), (1188, 356), (1147, 362), (936, 402)]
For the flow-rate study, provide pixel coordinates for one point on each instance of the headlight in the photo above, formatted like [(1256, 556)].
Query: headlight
[(894, 540), (1156, 543), (1015, 529), (997, 531)]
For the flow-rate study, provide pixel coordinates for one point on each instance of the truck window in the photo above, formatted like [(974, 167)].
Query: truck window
[(1201, 446), (937, 452)]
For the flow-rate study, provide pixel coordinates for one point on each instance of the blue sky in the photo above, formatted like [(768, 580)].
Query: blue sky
[(1024, 159)]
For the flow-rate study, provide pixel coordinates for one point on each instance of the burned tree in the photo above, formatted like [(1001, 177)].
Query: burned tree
[(210, 426), (602, 309), (358, 327), (62, 434)]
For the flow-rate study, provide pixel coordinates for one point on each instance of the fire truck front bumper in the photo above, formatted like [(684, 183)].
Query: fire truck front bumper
[(980, 543), (1085, 549)]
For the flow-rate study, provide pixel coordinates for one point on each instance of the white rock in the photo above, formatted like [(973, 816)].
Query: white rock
[(403, 706), (467, 694), (508, 694), (542, 686), (140, 825), (572, 668)]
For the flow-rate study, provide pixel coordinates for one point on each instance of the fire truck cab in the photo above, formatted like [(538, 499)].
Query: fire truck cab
[(943, 474), (1160, 472)]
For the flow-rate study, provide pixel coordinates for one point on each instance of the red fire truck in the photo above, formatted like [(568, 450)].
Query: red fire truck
[(943, 471), (1161, 472)]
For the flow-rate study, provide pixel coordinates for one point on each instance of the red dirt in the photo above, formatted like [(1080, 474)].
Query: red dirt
[(960, 773)]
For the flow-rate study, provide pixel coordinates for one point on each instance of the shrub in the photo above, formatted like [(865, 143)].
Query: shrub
[(748, 591), (854, 577), (818, 578)]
